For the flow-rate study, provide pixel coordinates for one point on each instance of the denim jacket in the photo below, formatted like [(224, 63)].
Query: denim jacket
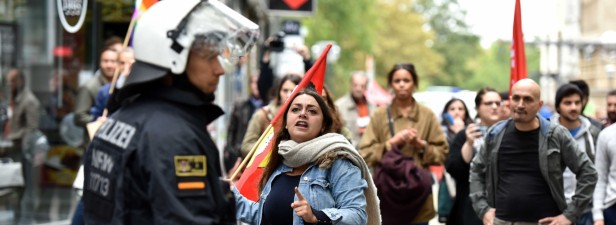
[(338, 191), (557, 151)]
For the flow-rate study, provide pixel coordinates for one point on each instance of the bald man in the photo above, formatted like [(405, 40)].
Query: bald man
[(354, 108), (517, 176)]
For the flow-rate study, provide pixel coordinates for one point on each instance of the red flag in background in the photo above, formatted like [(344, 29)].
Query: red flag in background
[(377, 95), (249, 181), (518, 57)]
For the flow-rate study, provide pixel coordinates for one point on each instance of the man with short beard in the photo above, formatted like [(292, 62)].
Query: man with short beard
[(611, 108), (583, 86), (568, 104), (517, 176)]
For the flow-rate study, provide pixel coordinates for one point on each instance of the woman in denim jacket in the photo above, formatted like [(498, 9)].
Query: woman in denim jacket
[(313, 176)]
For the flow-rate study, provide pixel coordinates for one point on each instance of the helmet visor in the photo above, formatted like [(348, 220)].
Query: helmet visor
[(217, 30)]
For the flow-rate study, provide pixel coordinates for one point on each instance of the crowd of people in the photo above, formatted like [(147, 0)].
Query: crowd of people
[(343, 161)]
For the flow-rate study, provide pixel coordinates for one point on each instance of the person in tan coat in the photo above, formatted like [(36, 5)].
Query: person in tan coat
[(22, 125), (263, 116), (417, 133), (355, 108)]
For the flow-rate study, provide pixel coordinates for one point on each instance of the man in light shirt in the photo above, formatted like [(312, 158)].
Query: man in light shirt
[(568, 104), (354, 109), (604, 198)]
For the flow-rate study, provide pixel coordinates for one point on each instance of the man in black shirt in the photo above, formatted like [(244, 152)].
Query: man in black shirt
[(517, 176)]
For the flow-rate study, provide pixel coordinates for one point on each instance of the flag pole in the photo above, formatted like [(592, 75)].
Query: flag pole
[(518, 56), (93, 126), (253, 172), (116, 72), (248, 157)]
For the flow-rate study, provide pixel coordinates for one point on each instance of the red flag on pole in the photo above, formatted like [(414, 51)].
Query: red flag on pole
[(141, 6), (518, 57), (249, 181)]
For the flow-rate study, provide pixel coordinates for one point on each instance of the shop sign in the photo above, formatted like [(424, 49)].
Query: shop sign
[(72, 8)]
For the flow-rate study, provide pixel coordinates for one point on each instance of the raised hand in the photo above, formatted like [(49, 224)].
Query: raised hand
[(472, 133), (302, 208)]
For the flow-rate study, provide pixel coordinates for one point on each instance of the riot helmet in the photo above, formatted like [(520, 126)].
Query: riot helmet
[(169, 30)]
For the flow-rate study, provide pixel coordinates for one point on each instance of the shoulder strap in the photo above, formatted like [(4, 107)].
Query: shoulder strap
[(390, 121), (267, 112)]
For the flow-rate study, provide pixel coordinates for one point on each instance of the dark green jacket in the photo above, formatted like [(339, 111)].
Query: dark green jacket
[(557, 150)]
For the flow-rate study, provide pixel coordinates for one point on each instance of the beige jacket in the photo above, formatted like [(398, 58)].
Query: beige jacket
[(85, 99), (25, 117), (259, 121), (348, 112), (373, 143)]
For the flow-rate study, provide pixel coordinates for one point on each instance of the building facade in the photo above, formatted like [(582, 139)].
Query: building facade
[(598, 52), (580, 43)]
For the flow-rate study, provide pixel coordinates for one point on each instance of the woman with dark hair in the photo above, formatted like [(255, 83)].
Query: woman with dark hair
[(411, 129), (464, 146), (262, 117), (335, 186), (454, 118)]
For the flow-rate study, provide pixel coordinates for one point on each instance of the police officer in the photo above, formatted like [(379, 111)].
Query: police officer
[(153, 161)]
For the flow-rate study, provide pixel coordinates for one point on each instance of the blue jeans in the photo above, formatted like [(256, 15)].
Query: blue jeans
[(78, 216), (609, 215), (585, 219)]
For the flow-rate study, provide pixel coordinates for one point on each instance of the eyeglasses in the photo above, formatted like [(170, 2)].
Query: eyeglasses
[(497, 103)]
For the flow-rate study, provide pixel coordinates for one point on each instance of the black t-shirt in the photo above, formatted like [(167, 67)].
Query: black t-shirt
[(522, 195), (277, 207)]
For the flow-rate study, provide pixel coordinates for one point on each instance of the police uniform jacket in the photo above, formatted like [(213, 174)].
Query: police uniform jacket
[(153, 162)]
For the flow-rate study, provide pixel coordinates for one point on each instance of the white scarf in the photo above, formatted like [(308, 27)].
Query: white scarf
[(295, 155)]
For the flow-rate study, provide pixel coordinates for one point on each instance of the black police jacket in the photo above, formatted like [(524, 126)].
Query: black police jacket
[(153, 162)]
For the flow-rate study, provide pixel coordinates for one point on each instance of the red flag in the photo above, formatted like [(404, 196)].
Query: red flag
[(377, 95), (518, 57), (248, 183), (141, 6)]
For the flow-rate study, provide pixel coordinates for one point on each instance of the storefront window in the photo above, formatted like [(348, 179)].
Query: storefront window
[(55, 60)]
